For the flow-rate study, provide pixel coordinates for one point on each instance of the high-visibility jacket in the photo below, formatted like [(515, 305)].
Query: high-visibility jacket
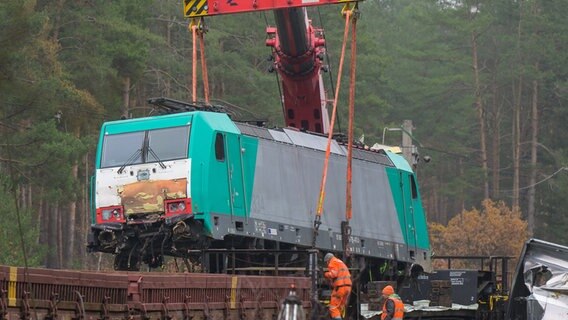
[(338, 272), (398, 308)]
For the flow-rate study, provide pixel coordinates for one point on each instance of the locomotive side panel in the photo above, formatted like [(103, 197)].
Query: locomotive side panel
[(212, 159), (287, 174), (286, 189)]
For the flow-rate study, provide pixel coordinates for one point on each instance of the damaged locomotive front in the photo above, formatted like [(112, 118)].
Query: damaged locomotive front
[(141, 192)]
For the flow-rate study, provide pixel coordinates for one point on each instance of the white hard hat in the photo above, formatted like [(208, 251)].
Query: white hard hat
[(328, 257)]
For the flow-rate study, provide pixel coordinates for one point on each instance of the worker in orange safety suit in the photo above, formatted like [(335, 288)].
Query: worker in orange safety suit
[(338, 273), (393, 308)]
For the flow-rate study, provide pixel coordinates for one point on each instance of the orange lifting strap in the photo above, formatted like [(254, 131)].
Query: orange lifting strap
[(194, 63), (349, 211), (197, 30), (204, 67), (345, 228), (348, 17)]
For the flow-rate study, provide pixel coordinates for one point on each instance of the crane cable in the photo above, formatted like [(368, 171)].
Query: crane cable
[(198, 31), (321, 198), (270, 58), (329, 64)]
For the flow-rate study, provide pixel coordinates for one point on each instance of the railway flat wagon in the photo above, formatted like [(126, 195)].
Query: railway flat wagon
[(27, 293)]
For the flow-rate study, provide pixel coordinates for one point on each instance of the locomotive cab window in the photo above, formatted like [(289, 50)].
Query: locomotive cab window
[(219, 147), (413, 187), (138, 147), (168, 144), (119, 149)]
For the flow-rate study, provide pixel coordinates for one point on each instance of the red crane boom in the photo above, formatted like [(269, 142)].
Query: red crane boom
[(298, 52)]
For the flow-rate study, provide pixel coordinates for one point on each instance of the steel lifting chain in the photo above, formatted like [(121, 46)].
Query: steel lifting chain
[(317, 223), (345, 235)]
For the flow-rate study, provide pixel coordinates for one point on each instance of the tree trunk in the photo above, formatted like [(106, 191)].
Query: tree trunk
[(480, 114), (69, 254), (496, 138), (517, 117), (54, 220), (70, 219), (462, 191), (30, 199), (59, 234), (51, 233), (126, 97), (85, 211), (534, 143), (167, 80), (42, 221), (517, 144), (531, 220), (57, 24), (22, 195)]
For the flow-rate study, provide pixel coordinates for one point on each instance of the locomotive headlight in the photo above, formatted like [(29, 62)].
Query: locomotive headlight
[(106, 214), (177, 206), (110, 214)]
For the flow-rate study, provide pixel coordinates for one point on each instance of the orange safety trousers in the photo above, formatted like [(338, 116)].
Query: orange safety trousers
[(339, 298)]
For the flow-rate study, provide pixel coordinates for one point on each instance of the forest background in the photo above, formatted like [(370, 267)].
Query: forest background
[(484, 82)]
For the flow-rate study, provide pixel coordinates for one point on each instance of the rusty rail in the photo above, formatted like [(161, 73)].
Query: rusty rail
[(63, 294)]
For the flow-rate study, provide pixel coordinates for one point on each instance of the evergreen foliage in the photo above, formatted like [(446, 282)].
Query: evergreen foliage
[(65, 66), (11, 246)]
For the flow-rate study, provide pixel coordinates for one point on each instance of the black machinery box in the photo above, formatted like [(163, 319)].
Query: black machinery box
[(460, 285)]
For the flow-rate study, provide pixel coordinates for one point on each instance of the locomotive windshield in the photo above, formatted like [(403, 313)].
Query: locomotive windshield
[(145, 146)]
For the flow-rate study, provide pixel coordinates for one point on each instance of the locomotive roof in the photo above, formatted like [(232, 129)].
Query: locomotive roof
[(316, 141), (283, 135)]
